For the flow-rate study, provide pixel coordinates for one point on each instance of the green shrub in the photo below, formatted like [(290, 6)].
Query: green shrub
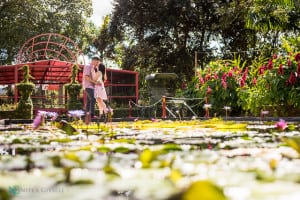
[(73, 89), (25, 107)]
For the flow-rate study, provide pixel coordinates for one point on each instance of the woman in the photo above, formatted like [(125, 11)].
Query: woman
[(99, 92)]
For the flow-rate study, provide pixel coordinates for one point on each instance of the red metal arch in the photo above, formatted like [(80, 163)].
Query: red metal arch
[(65, 49), (45, 50), (31, 55)]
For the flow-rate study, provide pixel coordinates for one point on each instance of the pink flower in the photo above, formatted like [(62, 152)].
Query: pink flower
[(246, 70), (154, 120), (292, 79), (224, 84), (224, 76), (216, 77), (270, 64), (298, 69), (244, 77), (201, 80), (230, 73), (242, 83), (261, 70), (281, 125), (38, 120), (275, 56), (254, 81), (208, 91), (280, 70), (289, 62), (207, 77), (76, 113)]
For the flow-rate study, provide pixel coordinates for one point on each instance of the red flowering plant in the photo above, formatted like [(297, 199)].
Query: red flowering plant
[(275, 86), (218, 82)]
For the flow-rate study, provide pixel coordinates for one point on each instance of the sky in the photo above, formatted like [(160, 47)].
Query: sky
[(100, 9)]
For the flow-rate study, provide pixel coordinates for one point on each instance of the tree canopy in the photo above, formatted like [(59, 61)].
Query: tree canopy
[(163, 36), (23, 19)]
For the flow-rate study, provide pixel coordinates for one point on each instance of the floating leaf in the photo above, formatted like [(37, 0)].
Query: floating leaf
[(167, 163), (124, 140), (293, 142), (104, 149), (171, 147), (203, 190), (83, 182), (121, 150), (17, 141), (291, 127), (147, 156), (56, 161), (72, 156), (62, 140), (65, 126), (108, 169), (175, 175), (263, 176)]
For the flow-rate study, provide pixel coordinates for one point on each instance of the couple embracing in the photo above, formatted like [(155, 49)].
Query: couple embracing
[(94, 76)]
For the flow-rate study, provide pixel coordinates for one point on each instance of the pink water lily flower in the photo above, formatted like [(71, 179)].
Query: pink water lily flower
[(38, 120), (154, 120), (281, 125), (76, 113)]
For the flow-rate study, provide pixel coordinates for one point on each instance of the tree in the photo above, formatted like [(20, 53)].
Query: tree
[(159, 35), (23, 19), (271, 20), (163, 36)]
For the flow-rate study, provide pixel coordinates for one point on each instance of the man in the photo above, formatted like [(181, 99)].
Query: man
[(89, 85)]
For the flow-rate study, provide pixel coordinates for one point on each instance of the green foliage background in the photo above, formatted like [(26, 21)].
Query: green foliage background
[(23, 19)]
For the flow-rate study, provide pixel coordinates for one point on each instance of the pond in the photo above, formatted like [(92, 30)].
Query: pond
[(151, 160)]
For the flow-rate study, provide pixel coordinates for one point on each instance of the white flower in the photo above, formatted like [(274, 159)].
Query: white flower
[(76, 113), (227, 108), (207, 106), (264, 112)]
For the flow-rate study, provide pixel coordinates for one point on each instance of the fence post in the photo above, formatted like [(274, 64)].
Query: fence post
[(130, 109), (206, 109), (164, 105)]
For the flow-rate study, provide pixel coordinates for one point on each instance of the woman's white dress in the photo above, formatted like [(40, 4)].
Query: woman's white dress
[(99, 91)]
